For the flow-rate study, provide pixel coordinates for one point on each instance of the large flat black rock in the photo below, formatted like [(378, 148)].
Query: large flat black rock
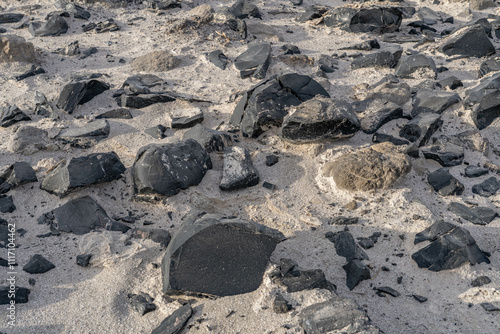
[(254, 61), (434, 101), (87, 135), (217, 256), (470, 42)]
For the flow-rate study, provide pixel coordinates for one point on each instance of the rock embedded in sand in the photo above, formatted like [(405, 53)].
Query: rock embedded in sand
[(10, 17), (82, 172), (296, 279), (187, 118), (280, 304), (156, 61), (38, 265), (157, 235), (319, 119), (378, 20), (374, 113), (238, 171), (157, 132), (487, 188), (388, 57), (484, 101), (15, 175), (6, 204), (16, 49), (143, 100), (87, 135), (254, 61), (243, 9), (444, 183), (11, 115), (141, 303), (217, 256), (174, 322), (433, 101), (20, 295), (489, 65), (469, 42), (121, 113), (475, 171), (337, 315), (54, 26), (217, 58), (79, 92), (211, 140), (451, 246), (83, 260), (448, 151), (421, 128), (416, 67), (168, 169), (477, 215), (356, 271), (374, 167), (480, 281), (346, 246), (80, 216)]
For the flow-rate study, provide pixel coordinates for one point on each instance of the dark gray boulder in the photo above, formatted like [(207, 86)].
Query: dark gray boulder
[(487, 188), (346, 246), (319, 119), (54, 26), (6, 204), (356, 271), (489, 65), (238, 171), (10, 17), (448, 151), (79, 92), (444, 183), (15, 175), (80, 216), (378, 20), (469, 42), (451, 246), (388, 57), (20, 295), (168, 169), (254, 61), (477, 215), (416, 67), (174, 323), (421, 128), (434, 101), (211, 140), (82, 172), (475, 171), (217, 256), (337, 315), (243, 9), (374, 113), (87, 135), (38, 265), (11, 115)]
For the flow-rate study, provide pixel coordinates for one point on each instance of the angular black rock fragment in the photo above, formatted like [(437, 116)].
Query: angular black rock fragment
[(20, 295), (415, 66), (38, 265), (421, 128), (491, 307), (364, 46), (157, 132), (290, 49), (388, 290), (238, 171), (54, 26), (451, 246), (80, 216), (30, 72), (6, 204), (469, 42), (11, 115), (4, 233), (420, 299), (451, 83), (254, 61), (141, 303), (188, 119), (356, 271), (480, 281), (489, 65), (87, 135), (82, 172), (78, 93), (218, 58), (311, 13), (320, 119), (487, 188), (17, 174), (143, 100), (374, 113), (448, 151), (444, 183), (341, 220), (484, 100), (139, 83), (122, 113), (375, 20), (168, 169), (475, 171), (428, 16), (211, 140), (271, 160), (477, 215), (280, 304), (83, 260), (366, 243), (346, 246), (218, 256), (434, 101), (10, 17), (296, 279), (157, 235), (174, 322), (243, 9), (388, 57)]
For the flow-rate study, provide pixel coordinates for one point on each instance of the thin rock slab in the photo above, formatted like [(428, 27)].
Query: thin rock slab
[(174, 323), (238, 171), (487, 188), (416, 67), (10, 17), (434, 101), (187, 118), (38, 265), (479, 215), (15, 175), (451, 246), (217, 256), (211, 140), (80, 216), (420, 129), (79, 92), (374, 167), (448, 151), (218, 58), (143, 100), (121, 113), (468, 42), (254, 61), (475, 171), (168, 169), (337, 315), (82, 172), (11, 115), (87, 135), (319, 119), (489, 65), (444, 183)]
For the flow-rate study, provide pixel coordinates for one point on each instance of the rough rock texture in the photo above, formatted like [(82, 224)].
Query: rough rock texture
[(484, 101), (83, 171), (416, 67), (238, 172), (14, 48), (487, 188), (218, 256), (170, 168), (11, 115), (15, 175), (444, 183), (87, 135), (54, 26), (478, 215), (470, 41), (421, 128), (38, 265), (79, 92), (156, 61), (20, 297), (319, 119), (433, 101), (254, 61), (174, 323), (385, 58), (374, 20), (296, 279), (451, 246), (374, 113), (448, 151), (29, 139), (374, 167)]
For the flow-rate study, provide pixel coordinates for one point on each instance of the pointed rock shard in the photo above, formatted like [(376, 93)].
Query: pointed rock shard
[(484, 100), (54, 26), (83, 171), (421, 128), (217, 256), (356, 271), (168, 169), (79, 92), (296, 279), (374, 167), (469, 42), (80, 216), (320, 119), (238, 172), (38, 265), (254, 61), (11, 115), (346, 246), (174, 322), (451, 247), (388, 57), (434, 101), (487, 188)]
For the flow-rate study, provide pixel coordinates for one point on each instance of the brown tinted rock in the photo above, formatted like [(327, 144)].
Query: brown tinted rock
[(15, 48), (374, 167), (156, 61)]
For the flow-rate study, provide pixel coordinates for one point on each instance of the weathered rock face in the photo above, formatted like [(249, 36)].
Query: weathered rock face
[(80, 216), (374, 167), (156, 61), (433, 101), (487, 188), (477, 215), (54, 26), (374, 113), (320, 119), (484, 100), (451, 247), (168, 169), (11, 115), (337, 315), (15, 48), (83, 171), (217, 256), (421, 128), (174, 322), (78, 93), (388, 57), (416, 67), (375, 20), (238, 172), (470, 42), (448, 151)]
